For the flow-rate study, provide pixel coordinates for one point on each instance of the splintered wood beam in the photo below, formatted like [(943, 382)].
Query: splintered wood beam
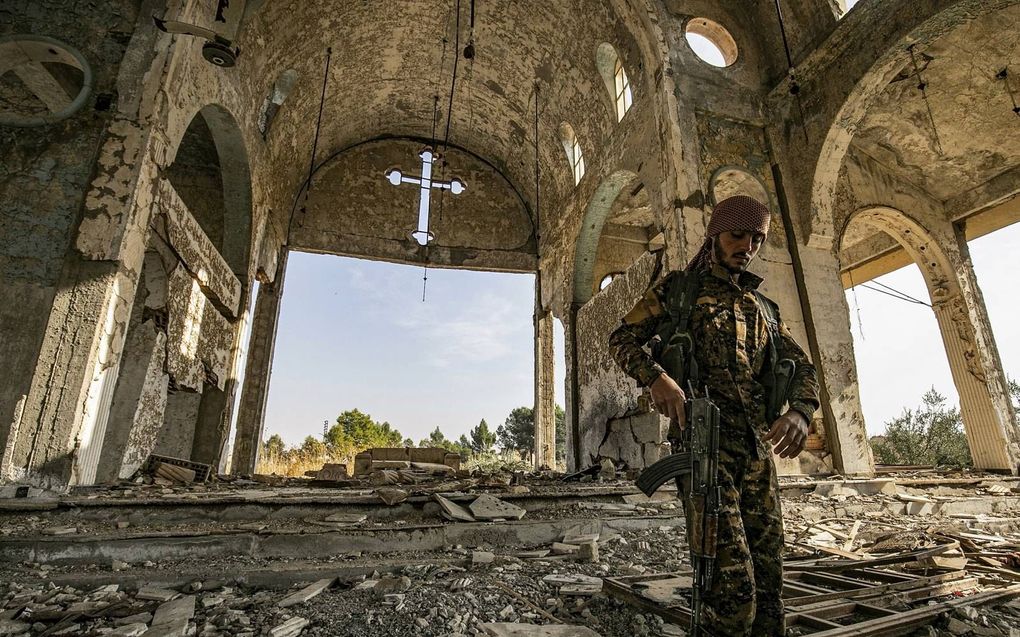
[(905, 622)]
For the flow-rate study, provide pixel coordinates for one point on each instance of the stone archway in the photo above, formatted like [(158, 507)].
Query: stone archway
[(987, 412), (586, 248), (179, 364)]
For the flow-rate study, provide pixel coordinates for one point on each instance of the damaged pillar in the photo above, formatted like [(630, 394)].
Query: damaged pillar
[(988, 415), (251, 413), (63, 417), (545, 399), (832, 352)]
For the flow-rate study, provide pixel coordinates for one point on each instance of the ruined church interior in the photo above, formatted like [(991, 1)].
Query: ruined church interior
[(159, 161)]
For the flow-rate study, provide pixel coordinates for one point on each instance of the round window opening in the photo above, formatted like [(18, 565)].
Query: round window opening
[(42, 80), (711, 42)]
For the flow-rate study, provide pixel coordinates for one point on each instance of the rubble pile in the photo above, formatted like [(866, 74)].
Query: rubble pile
[(945, 547)]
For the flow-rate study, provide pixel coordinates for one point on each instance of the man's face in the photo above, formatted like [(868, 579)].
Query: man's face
[(735, 249)]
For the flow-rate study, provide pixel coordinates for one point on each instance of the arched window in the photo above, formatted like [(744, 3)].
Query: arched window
[(575, 157), (610, 67)]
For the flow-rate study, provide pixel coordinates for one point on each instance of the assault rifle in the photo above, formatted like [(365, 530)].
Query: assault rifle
[(700, 460)]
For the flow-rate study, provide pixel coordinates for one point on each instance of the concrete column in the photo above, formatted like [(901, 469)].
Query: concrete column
[(136, 414), (251, 413), (830, 343), (827, 319), (573, 415), (545, 397), (988, 415), (83, 343)]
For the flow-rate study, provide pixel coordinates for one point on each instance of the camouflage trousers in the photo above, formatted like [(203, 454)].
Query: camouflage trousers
[(745, 599)]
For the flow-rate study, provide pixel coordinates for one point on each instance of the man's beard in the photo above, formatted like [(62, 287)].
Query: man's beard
[(720, 258)]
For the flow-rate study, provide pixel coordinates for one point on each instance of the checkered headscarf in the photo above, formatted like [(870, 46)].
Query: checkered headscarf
[(739, 212)]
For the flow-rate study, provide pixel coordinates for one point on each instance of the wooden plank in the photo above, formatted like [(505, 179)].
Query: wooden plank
[(908, 621), (945, 580)]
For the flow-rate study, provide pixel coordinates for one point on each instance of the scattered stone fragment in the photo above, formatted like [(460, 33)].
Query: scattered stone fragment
[(64, 530), (123, 524), (173, 473), (559, 548), (535, 630), (11, 627), (589, 552), (607, 470), (129, 630), (118, 565), (487, 507), (171, 619), (156, 594), (482, 557), (306, 593), (531, 555), (140, 618), (390, 584), (391, 495), (384, 476), (290, 628), (453, 511), (332, 471), (346, 518)]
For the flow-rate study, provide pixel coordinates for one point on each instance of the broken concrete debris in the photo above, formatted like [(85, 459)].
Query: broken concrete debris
[(487, 507), (495, 576)]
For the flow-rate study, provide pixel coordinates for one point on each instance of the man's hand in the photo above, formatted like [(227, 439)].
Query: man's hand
[(789, 433), (669, 399)]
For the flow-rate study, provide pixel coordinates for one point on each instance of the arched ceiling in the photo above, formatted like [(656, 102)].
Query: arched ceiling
[(386, 69), (971, 109)]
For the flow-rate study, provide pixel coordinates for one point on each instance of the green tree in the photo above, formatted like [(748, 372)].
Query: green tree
[(435, 439), (931, 434), (482, 440), (561, 435), (1014, 392), (355, 431), (408, 442), (274, 447), (313, 447), (518, 432)]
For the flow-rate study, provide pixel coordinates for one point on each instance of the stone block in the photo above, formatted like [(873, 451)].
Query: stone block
[(650, 427)]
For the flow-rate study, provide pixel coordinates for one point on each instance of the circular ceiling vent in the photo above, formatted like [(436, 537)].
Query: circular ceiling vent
[(711, 42), (42, 80)]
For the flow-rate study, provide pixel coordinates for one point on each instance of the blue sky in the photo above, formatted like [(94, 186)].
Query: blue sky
[(355, 334), (898, 360)]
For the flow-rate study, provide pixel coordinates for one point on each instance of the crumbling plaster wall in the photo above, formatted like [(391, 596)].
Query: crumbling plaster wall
[(44, 172), (164, 85), (722, 110), (354, 210)]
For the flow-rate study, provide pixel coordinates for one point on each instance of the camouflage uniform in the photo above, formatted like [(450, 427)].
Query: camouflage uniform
[(730, 346)]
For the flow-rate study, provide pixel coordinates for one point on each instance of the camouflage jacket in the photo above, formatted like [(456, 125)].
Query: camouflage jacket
[(731, 348)]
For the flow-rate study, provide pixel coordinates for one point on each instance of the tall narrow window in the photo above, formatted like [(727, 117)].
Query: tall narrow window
[(575, 156), (624, 98), (610, 67)]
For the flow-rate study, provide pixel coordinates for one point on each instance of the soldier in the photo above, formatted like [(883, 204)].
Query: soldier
[(738, 339)]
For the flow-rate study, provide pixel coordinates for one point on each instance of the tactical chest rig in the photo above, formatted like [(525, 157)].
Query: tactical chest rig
[(674, 348)]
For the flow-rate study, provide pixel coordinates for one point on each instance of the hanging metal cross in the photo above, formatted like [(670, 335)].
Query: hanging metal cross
[(425, 182)]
